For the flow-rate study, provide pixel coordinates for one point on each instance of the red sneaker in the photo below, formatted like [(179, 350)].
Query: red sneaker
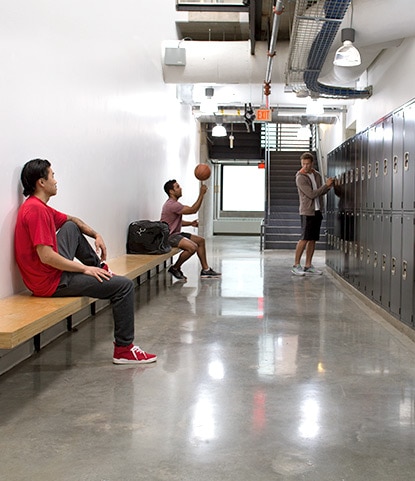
[(131, 355)]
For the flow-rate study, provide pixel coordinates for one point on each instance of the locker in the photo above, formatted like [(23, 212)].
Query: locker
[(369, 254), (357, 172), (407, 269), (378, 166), (370, 169), (397, 160), (358, 251), (409, 158), (363, 168), (396, 264), (385, 267), (385, 176), (377, 257)]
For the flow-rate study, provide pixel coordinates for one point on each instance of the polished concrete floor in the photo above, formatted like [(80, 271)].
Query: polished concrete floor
[(261, 376)]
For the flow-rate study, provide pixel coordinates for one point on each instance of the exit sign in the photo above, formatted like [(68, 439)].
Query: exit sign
[(263, 115)]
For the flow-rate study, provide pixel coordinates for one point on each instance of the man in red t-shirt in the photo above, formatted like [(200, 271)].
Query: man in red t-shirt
[(172, 213), (46, 244)]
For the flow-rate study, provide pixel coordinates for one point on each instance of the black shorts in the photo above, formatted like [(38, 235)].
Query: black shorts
[(174, 239), (310, 226)]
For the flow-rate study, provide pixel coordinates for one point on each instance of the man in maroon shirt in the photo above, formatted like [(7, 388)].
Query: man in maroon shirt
[(46, 243), (172, 213)]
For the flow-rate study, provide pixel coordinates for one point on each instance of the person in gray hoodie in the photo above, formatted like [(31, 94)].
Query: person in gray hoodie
[(310, 191)]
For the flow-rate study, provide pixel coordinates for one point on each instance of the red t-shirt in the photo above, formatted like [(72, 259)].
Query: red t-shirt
[(37, 224), (172, 214)]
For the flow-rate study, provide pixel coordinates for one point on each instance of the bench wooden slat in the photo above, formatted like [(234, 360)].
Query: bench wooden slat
[(23, 316), (134, 265)]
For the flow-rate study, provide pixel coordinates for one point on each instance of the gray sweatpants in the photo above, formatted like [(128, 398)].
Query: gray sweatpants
[(119, 290)]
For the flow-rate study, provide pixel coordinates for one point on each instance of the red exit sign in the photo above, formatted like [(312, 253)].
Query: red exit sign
[(263, 115)]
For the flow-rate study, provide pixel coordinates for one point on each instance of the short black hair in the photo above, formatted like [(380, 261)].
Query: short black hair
[(169, 185), (33, 171)]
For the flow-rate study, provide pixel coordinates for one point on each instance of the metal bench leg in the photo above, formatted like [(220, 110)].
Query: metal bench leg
[(69, 326), (36, 342)]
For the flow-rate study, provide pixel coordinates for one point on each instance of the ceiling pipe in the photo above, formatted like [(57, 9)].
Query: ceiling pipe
[(276, 118), (278, 10)]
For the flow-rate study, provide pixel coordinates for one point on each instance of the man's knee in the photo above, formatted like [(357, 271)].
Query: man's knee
[(191, 248), (188, 246), (69, 226), (198, 240), (121, 285)]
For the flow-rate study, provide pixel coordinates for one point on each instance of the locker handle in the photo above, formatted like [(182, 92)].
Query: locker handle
[(395, 164), (356, 176), (361, 253), (406, 161), (404, 270), (375, 259), (393, 266), (383, 262), (368, 256), (356, 250), (369, 171), (377, 168), (385, 166), (363, 172)]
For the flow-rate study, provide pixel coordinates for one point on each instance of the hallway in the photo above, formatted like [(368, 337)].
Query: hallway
[(260, 376)]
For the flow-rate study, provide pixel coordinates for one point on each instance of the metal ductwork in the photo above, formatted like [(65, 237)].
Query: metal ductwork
[(230, 116), (314, 31), (225, 63)]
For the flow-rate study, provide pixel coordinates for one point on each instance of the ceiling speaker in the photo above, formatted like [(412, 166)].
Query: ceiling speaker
[(175, 57)]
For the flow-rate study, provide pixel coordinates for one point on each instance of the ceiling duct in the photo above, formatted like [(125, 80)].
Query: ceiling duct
[(315, 27), (231, 117)]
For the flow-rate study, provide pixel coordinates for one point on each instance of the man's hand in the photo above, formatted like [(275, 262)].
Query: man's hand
[(100, 247), (194, 223), (330, 182), (203, 189), (100, 274)]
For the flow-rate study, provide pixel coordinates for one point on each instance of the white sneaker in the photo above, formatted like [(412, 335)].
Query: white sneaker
[(312, 271), (298, 270)]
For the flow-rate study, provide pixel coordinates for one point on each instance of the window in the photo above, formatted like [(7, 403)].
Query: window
[(243, 188)]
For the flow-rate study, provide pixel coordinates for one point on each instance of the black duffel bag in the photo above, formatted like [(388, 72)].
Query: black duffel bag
[(148, 237)]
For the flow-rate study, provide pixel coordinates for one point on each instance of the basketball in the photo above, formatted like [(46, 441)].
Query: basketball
[(202, 171)]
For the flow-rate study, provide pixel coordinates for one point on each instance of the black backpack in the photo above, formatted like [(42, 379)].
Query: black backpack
[(148, 237)]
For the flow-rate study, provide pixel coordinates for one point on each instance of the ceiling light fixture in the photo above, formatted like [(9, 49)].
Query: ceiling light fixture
[(219, 131), (208, 105), (347, 55)]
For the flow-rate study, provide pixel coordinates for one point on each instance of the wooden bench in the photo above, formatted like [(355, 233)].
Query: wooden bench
[(23, 316)]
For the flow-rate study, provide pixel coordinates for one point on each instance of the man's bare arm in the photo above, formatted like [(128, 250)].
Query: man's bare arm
[(101, 248), (48, 256)]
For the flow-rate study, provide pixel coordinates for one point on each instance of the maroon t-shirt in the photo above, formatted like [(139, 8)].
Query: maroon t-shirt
[(172, 214)]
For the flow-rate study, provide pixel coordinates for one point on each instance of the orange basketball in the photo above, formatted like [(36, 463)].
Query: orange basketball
[(202, 172)]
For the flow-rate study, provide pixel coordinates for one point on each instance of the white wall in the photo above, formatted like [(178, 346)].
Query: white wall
[(81, 85), (392, 78)]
